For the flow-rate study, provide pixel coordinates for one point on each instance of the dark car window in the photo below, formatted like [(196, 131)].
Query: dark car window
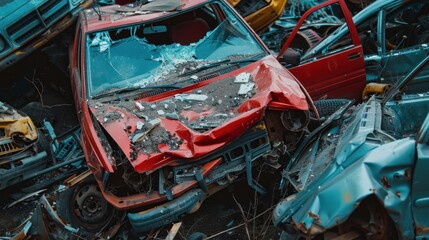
[(407, 26), (417, 86), (406, 109)]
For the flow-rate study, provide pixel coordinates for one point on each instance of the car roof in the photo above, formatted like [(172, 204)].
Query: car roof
[(112, 16)]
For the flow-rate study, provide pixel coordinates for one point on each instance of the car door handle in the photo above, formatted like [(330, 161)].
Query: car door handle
[(354, 55)]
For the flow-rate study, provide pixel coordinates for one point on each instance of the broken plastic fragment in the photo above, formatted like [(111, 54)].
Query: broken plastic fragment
[(172, 116), (191, 97), (103, 46), (245, 88), (137, 137), (242, 78), (139, 106), (139, 125), (155, 121)]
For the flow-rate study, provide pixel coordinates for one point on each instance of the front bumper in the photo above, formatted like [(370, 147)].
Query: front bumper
[(167, 213)]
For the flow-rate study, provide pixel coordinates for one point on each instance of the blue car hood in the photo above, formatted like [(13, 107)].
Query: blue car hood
[(8, 7), (344, 163)]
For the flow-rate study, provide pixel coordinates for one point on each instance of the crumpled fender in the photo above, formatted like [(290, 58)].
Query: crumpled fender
[(329, 204)]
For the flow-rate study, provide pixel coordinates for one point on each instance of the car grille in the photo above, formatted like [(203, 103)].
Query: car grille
[(7, 147), (36, 21)]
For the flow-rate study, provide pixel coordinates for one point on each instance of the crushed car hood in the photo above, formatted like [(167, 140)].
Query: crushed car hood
[(190, 122), (332, 147), (360, 151)]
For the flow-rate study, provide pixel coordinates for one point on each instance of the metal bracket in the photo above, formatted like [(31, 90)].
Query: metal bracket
[(161, 182), (200, 180), (249, 177)]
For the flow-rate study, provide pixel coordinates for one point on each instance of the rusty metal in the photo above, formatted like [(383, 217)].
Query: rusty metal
[(385, 182), (173, 231), (74, 180), (142, 199), (315, 216)]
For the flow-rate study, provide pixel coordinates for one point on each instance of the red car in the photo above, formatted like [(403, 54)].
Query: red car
[(175, 100)]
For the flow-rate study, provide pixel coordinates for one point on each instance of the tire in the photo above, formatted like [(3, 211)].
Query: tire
[(42, 143), (37, 113), (327, 107), (84, 207)]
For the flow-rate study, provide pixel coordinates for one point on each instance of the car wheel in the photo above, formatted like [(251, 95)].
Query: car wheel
[(83, 206), (38, 113)]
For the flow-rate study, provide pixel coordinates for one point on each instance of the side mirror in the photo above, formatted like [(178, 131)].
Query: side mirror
[(291, 57)]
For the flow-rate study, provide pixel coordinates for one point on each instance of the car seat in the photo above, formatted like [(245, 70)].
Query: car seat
[(189, 31)]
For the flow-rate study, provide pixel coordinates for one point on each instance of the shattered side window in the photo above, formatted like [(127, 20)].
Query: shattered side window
[(419, 85), (145, 54), (406, 40), (407, 26), (407, 109)]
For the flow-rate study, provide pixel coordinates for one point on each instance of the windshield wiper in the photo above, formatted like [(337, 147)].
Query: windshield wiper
[(219, 63), (134, 88)]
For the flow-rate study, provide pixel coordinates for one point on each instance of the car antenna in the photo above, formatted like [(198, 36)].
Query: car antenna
[(98, 12)]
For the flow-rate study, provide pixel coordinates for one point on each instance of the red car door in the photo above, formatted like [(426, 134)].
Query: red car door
[(332, 66), (75, 68)]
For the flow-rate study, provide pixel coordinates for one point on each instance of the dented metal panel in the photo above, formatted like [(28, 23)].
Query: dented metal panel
[(375, 163)]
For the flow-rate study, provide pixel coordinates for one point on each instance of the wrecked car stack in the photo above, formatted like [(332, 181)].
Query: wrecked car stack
[(178, 100), (361, 172), (174, 104)]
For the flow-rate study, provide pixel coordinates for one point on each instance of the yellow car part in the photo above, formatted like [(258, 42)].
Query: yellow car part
[(375, 88), (263, 17), (16, 132)]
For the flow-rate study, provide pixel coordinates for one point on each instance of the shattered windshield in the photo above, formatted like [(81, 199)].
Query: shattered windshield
[(146, 54)]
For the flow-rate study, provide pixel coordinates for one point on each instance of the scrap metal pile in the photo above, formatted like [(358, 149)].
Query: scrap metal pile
[(181, 122)]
